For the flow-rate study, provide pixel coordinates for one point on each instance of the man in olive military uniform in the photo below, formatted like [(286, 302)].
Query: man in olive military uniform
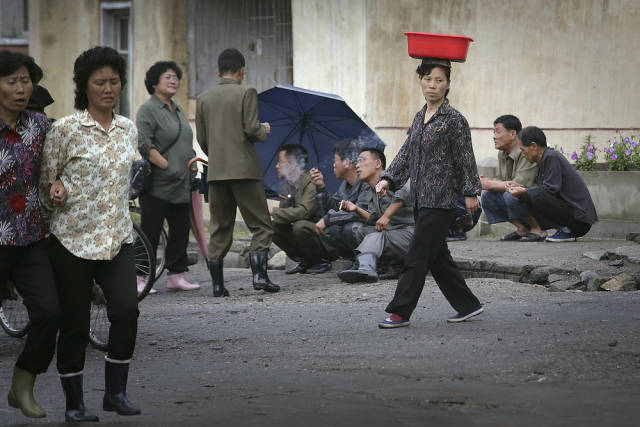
[(227, 127), (294, 220)]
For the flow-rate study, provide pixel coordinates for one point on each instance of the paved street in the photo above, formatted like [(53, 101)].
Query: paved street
[(312, 355)]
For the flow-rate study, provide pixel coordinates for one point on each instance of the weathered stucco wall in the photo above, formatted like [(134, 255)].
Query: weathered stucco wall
[(566, 66), (159, 34), (57, 36), (62, 29)]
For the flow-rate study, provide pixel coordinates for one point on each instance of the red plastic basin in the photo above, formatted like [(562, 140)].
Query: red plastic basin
[(441, 46)]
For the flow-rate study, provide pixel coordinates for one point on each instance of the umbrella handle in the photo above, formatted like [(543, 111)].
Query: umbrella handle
[(193, 168)]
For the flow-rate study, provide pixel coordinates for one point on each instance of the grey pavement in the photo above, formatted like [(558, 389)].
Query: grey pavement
[(313, 355)]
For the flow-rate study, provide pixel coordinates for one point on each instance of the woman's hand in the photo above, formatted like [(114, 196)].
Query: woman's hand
[(382, 187), (157, 159), (58, 193), (472, 204)]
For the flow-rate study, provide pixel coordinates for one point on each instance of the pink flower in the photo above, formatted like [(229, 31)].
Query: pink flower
[(614, 157), (574, 156), (627, 153)]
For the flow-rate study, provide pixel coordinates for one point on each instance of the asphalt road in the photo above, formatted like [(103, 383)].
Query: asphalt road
[(312, 355)]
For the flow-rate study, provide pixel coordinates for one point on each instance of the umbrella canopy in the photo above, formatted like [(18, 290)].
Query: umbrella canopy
[(315, 120)]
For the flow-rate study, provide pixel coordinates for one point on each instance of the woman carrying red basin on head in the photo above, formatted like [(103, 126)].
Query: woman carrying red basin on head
[(438, 158)]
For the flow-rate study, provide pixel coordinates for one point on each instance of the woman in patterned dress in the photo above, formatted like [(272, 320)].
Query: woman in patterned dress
[(23, 252), (85, 171)]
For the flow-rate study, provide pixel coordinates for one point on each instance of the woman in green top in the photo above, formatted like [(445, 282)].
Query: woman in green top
[(166, 140)]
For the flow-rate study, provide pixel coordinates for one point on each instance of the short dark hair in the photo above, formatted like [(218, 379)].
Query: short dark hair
[(10, 62), (154, 72), (377, 154), (532, 134), (87, 63), (347, 148), (298, 152), (230, 61), (510, 122), (425, 68)]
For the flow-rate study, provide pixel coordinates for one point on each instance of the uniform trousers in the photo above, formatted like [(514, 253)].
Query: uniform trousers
[(428, 251), (299, 241), (340, 240), (390, 245), (247, 195), (74, 278), (154, 212), (29, 269)]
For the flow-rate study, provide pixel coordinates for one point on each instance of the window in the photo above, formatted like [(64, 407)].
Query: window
[(115, 26), (14, 24)]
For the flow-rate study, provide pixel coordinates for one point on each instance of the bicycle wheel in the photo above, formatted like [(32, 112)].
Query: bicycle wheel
[(160, 253), (14, 317), (135, 213), (144, 260), (99, 324), (145, 263)]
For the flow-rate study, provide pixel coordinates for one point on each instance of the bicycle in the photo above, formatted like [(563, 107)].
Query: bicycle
[(14, 317)]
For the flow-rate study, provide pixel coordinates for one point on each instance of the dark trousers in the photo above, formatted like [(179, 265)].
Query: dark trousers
[(429, 252), (553, 212), (29, 269), (247, 195), (154, 212), (74, 278), (341, 240), (299, 241)]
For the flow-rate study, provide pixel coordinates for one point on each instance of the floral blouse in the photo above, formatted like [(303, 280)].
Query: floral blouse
[(94, 167), (21, 219)]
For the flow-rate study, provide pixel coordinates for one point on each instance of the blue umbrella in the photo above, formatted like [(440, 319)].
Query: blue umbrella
[(315, 120)]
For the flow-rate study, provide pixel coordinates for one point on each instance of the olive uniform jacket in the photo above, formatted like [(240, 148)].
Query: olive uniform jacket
[(301, 205), (226, 128)]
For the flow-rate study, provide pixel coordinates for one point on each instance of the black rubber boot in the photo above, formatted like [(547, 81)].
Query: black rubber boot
[(217, 278), (75, 410), (258, 260), (115, 389), (366, 271)]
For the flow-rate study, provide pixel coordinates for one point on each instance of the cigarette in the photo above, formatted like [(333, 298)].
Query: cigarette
[(340, 206), (282, 197)]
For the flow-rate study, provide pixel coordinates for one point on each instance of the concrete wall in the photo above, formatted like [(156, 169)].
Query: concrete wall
[(565, 66), (159, 34), (62, 29), (56, 37)]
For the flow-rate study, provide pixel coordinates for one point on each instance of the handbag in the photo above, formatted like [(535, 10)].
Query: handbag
[(140, 173)]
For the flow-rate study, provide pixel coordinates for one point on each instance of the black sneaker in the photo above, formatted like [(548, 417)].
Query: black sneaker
[(321, 267), (300, 268)]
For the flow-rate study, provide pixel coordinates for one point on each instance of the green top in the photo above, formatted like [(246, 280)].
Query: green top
[(157, 128), (301, 205), (515, 167)]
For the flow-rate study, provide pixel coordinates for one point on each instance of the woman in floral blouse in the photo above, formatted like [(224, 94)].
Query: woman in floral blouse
[(85, 170), (23, 252), (438, 157)]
